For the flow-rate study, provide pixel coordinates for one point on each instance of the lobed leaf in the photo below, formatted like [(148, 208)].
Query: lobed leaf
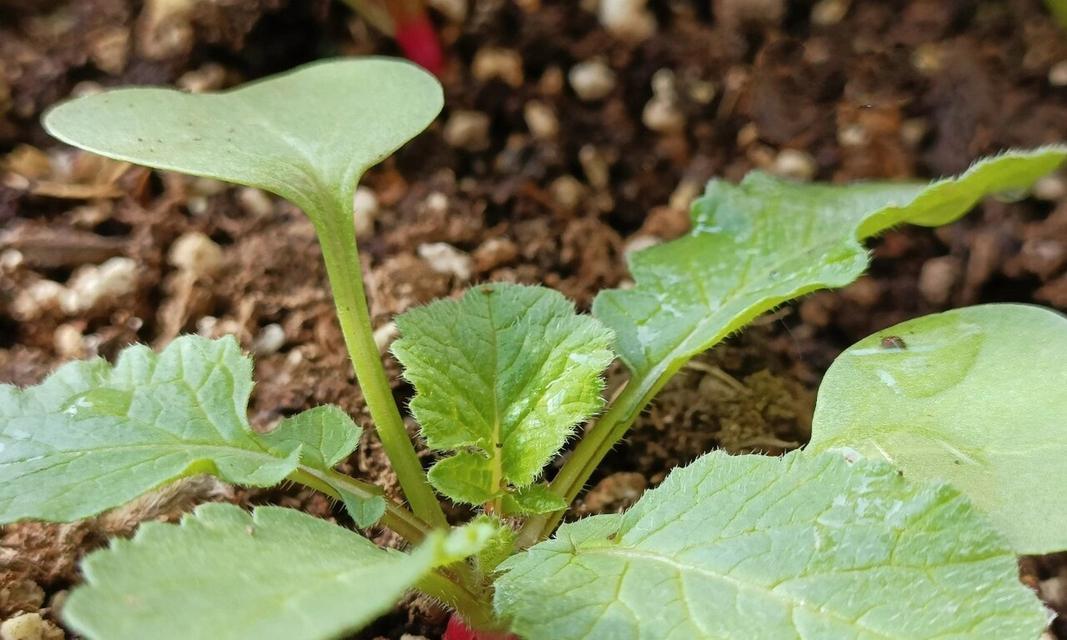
[(974, 397), (226, 574), (306, 135), (757, 547), (92, 437), (501, 378), (765, 241)]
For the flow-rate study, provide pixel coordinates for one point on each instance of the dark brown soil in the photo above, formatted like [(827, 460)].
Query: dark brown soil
[(555, 190)]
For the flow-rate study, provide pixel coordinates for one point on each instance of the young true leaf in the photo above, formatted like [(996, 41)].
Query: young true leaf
[(536, 498), (325, 435), (498, 547), (765, 241), (364, 510), (501, 378), (975, 397), (306, 135), (227, 574), (758, 547), (91, 437)]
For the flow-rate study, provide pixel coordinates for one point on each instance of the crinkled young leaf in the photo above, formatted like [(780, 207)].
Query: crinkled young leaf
[(501, 377), (91, 437), (466, 477), (226, 574), (754, 547), (306, 135), (534, 499), (364, 510), (765, 241), (325, 435), (976, 397), (498, 548)]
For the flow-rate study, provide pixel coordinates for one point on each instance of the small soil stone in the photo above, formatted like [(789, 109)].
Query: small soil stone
[(468, 130), (591, 80), (938, 277), (29, 626)]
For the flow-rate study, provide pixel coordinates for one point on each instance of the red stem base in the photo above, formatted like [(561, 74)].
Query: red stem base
[(458, 630), (419, 42)]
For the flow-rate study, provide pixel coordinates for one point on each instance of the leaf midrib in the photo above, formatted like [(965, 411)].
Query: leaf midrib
[(496, 447), (178, 445)]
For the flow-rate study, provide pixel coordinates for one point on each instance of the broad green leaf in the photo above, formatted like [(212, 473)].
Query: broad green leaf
[(753, 547), (91, 437), (765, 241), (306, 135), (226, 574), (976, 397), (501, 377)]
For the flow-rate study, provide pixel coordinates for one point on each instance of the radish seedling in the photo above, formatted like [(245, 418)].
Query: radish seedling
[(814, 544)]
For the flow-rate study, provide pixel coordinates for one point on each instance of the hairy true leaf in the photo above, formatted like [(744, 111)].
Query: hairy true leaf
[(306, 135), (534, 499), (765, 241), (499, 546), (757, 547), (975, 397), (325, 435), (91, 437), (501, 377), (226, 574), (364, 510)]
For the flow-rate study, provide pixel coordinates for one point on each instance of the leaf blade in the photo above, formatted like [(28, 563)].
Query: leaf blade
[(535, 499), (765, 241), (759, 547), (325, 436), (303, 134), (973, 397), (227, 574), (501, 378), (92, 437)]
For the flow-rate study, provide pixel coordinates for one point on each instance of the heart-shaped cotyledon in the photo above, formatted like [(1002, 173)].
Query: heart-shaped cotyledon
[(306, 135)]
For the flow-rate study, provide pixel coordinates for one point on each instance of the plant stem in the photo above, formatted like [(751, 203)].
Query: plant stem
[(454, 591), (337, 237), (477, 612), (587, 456), (396, 517)]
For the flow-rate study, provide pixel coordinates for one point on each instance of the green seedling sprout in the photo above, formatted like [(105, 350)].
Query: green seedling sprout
[(858, 536), (308, 136)]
